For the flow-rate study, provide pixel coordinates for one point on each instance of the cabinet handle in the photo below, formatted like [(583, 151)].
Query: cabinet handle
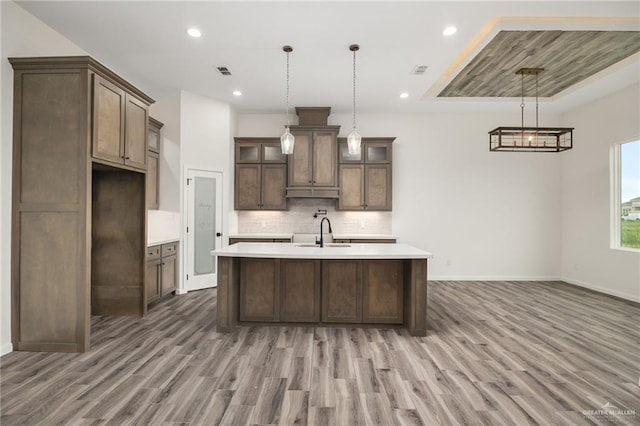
[(126, 158), (309, 180)]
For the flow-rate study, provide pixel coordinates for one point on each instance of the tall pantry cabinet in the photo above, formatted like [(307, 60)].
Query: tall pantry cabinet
[(78, 215)]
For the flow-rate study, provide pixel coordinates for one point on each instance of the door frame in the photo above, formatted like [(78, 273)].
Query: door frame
[(182, 285)]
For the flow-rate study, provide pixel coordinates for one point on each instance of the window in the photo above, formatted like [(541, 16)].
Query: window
[(626, 205)]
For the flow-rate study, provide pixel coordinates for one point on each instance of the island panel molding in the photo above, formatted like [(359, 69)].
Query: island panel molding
[(341, 291), (365, 284)]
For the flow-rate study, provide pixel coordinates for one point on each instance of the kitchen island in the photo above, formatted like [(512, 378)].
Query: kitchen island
[(339, 284)]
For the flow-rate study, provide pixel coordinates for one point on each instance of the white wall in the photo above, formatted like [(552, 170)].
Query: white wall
[(587, 258), (167, 111), (483, 215), (22, 35), (206, 144)]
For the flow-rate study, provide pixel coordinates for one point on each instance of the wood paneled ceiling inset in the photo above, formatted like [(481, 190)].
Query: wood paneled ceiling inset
[(567, 57)]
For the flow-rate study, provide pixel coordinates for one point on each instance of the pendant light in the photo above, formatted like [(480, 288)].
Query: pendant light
[(530, 139), (354, 139), (287, 140)]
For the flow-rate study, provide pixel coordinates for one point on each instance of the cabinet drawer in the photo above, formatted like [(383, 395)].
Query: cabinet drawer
[(153, 252), (169, 249)]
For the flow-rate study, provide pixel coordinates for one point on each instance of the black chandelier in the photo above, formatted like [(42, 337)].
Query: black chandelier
[(531, 139)]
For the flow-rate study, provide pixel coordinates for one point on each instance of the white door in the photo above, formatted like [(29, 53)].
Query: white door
[(203, 233)]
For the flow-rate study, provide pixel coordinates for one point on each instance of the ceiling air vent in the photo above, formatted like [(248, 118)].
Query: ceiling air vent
[(419, 69), (224, 71)]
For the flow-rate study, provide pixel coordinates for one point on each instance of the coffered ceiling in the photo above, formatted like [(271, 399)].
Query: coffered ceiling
[(565, 57), (580, 43)]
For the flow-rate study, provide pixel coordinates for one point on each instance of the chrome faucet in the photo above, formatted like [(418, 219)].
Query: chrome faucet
[(321, 241)]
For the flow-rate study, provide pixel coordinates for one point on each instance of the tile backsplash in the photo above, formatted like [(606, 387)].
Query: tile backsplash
[(299, 219), (162, 224)]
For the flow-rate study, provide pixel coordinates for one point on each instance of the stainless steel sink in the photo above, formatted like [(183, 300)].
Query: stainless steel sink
[(326, 245)]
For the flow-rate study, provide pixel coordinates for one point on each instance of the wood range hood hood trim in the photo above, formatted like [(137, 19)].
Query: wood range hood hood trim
[(323, 192)]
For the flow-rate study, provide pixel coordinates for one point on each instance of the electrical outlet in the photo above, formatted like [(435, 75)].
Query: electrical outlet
[(448, 262), (362, 224), (263, 224)]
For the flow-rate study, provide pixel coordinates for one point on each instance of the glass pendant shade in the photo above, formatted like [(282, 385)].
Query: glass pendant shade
[(286, 141), (354, 138), (353, 142)]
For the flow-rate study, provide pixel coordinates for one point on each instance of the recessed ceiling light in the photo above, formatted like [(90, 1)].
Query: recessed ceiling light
[(404, 95), (237, 93), (451, 30), (194, 32)]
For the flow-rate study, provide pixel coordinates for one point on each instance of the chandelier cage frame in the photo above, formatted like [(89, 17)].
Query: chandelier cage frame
[(530, 139)]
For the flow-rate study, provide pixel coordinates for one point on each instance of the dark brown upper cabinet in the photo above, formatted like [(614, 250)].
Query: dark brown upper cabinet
[(153, 164), (313, 164), (365, 179), (260, 174), (119, 125)]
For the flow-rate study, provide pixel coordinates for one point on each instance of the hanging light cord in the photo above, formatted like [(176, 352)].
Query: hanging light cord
[(287, 97), (522, 102), (536, 103), (354, 88)]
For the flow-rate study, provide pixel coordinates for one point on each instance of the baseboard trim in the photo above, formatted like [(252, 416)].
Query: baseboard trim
[(491, 278), (567, 280), (599, 289), (6, 348)]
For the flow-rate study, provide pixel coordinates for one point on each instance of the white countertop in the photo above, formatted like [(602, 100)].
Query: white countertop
[(272, 236), (353, 251), (162, 239), (363, 237)]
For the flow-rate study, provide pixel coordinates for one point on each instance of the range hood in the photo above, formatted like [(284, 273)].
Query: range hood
[(312, 192), (315, 156)]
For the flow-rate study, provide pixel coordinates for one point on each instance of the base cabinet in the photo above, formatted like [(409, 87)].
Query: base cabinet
[(153, 280), (259, 289), (162, 271), (342, 291), (299, 290), (353, 291), (383, 293), (280, 290)]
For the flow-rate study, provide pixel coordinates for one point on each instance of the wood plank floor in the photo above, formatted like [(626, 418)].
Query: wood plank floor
[(511, 353)]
